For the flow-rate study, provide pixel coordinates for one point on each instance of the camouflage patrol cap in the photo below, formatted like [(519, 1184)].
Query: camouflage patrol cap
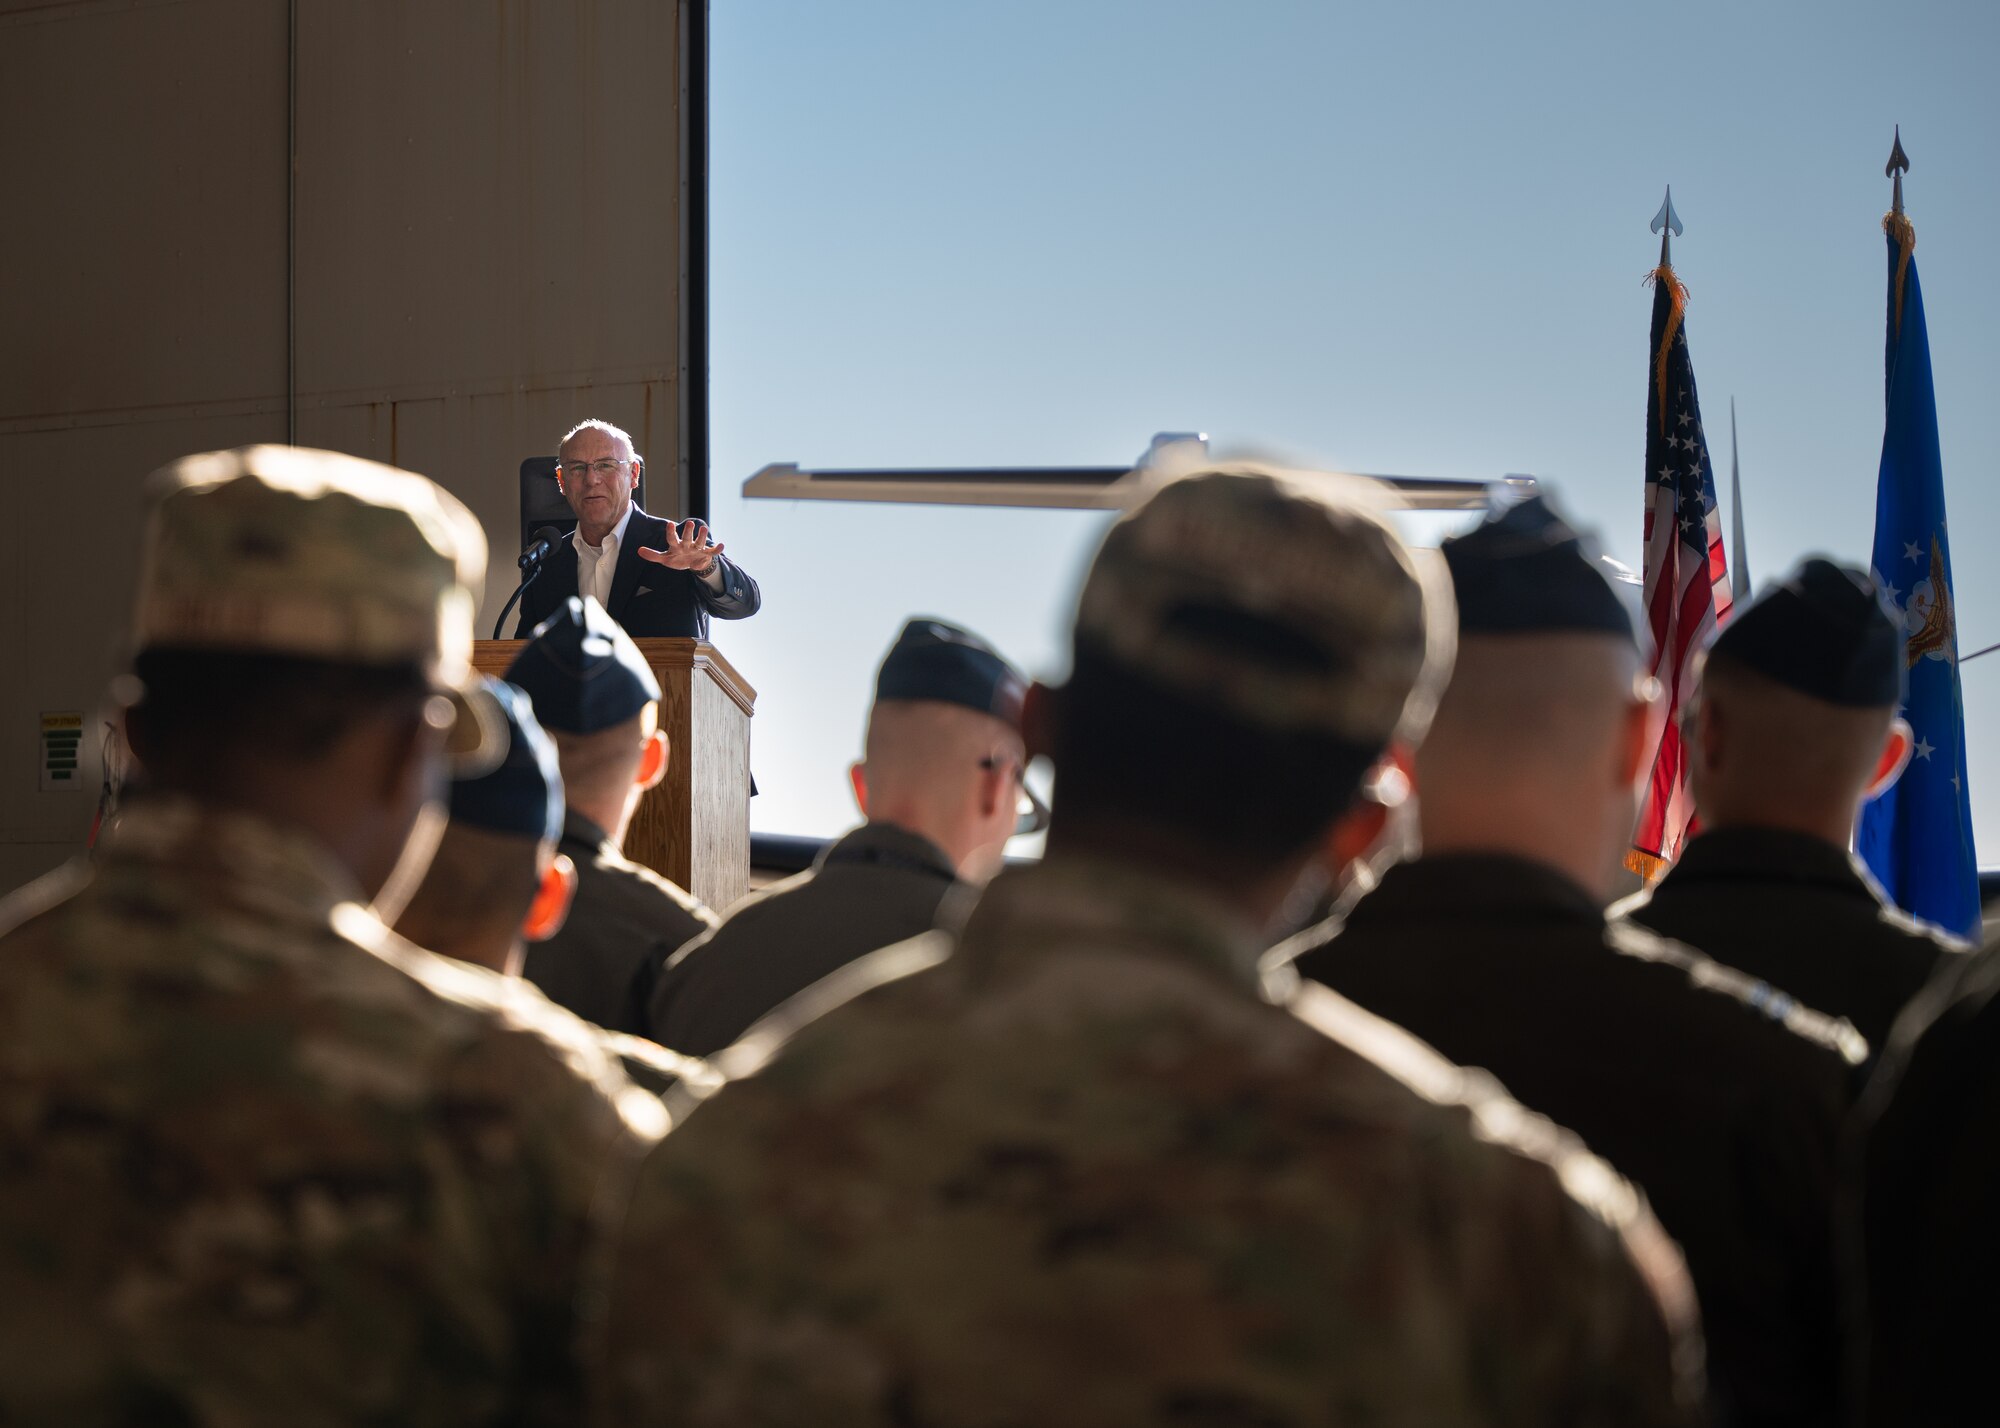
[(1284, 599), (314, 554)]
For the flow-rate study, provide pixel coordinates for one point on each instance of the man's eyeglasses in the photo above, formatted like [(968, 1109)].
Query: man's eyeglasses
[(1034, 814), (577, 470)]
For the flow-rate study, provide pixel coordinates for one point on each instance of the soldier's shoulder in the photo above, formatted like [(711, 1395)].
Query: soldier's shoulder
[(654, 1068), (1497, 1158), (1735, 998), (1632, 908), (495, 1039), (641, 892), (1923, 939), (883, 987), (1463, 1111), (777, 900)]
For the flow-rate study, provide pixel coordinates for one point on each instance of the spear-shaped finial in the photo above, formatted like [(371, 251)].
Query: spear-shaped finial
[(1667, 224), (1898, 165)]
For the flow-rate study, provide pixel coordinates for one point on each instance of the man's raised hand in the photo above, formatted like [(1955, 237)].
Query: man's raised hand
[(690, 552)]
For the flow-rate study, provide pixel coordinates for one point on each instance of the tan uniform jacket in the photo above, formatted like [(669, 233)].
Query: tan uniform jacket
[(261, 1161), (1083, 1171)]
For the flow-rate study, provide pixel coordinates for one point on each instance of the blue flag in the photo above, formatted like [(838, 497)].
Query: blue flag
[(1917, 837)]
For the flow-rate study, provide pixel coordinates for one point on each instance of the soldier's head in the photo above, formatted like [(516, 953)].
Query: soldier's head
[(595, 696), (302, 637), (1248, 644), (497, 881), (944, 756), (1540, 740), (1794, 724)]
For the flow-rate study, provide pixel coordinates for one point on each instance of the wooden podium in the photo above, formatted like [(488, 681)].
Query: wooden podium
[(694, 827)]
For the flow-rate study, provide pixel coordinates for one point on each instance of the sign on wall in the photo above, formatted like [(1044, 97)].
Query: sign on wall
[(62, 747)]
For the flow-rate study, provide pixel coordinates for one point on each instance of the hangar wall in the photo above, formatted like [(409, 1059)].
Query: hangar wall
[(435, 235)]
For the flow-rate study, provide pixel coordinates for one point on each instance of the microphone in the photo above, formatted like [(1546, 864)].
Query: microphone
[(544, 540), (540, 544)]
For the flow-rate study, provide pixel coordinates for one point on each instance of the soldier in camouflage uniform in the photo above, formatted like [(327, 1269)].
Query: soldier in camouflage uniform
[(261, 1160), (1081, 1164), (497, 883)]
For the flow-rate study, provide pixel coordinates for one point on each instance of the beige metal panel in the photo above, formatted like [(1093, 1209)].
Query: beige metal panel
[(488, 193), (75, 583), (144, 149), (488, 211)]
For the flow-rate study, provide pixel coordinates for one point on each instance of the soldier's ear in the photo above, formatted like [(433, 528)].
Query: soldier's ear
[(653, 759), (857, 776), (1897, 746), (1363, 830), (550, 909)]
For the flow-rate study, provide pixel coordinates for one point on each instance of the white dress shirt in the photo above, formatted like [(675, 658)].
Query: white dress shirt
[(596, 564)]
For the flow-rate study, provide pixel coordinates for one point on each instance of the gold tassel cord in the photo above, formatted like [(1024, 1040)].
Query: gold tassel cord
[(1678, 294), (1899, 227)]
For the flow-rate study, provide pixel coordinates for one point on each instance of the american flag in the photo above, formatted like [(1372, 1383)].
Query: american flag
[(1687, 572)]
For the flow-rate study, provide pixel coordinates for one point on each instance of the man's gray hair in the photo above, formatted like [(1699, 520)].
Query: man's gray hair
[(598, 424)]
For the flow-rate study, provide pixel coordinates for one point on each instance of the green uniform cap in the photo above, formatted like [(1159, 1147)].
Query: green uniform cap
[(289, 551), (1283, 598)]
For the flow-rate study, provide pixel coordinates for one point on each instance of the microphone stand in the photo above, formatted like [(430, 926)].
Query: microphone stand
[(534, 569)]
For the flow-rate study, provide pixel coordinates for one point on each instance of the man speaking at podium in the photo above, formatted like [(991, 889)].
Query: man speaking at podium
[(654, 577)]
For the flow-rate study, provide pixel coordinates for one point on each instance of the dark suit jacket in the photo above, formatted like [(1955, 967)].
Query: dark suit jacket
[(1723, 1101), (649, 600)]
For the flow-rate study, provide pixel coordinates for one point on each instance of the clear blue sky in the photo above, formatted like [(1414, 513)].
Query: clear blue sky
[(1398, 238)]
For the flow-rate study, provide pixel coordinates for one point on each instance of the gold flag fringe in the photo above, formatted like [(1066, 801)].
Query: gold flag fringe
[(1899, 227), (1678, 293), (1649, 866)]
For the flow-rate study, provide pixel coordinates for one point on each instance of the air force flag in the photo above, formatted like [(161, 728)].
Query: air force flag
[(1917, 837)]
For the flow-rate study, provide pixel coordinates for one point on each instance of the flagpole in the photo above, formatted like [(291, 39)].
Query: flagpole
[(1687, 592), (1739, 557)]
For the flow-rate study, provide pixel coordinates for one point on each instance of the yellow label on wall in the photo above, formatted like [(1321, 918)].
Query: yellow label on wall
[(62, 752)]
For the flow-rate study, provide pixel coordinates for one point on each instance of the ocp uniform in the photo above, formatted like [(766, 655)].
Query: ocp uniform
[(263, 1161)]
